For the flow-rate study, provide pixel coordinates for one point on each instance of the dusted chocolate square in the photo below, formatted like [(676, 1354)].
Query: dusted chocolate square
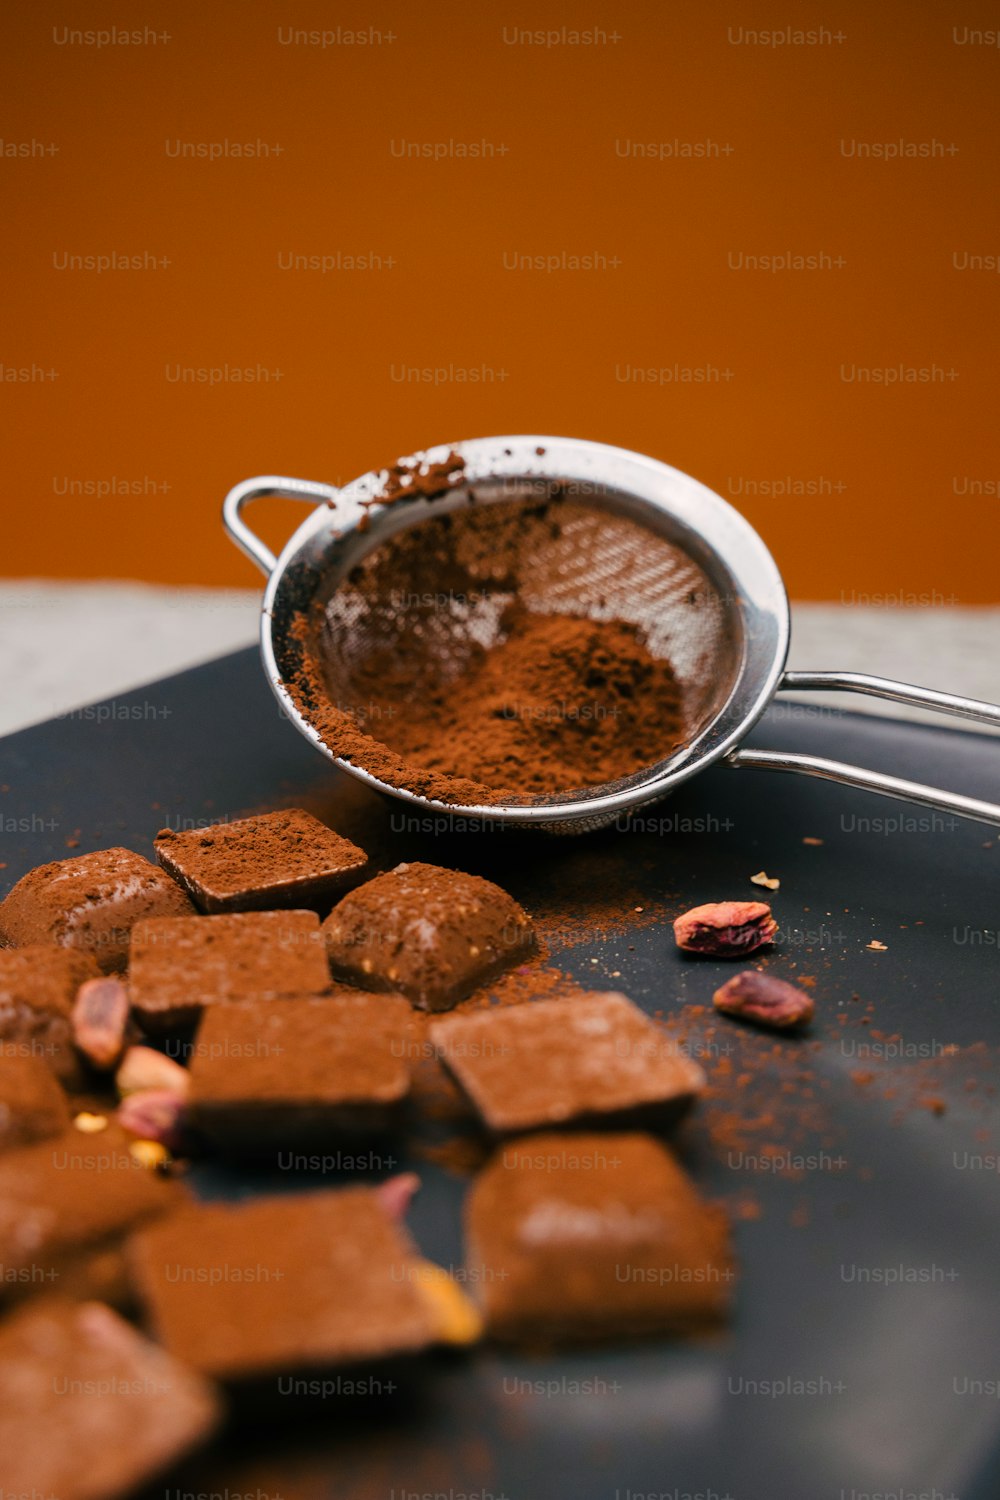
[(587, 1059), (284, 858), (90, 903), (180, 966), (38, 985), (251, 1291), (266, 1075), (69, 1196), (582, 1237), (89, 1409), (32, 1104), (434, 935), (100, 1275)]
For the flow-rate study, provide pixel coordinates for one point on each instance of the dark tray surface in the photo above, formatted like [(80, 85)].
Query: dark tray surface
[(887, 1186)]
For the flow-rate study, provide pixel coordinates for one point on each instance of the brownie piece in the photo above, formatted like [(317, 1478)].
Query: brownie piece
[(251, 1291), (89, 1409), (90, 903), (38, 985), (588, 1059), (32, 1105), (433, 934), (71, 1196), (591, 1236), (278, 859), (182, 965), (266, 1075)]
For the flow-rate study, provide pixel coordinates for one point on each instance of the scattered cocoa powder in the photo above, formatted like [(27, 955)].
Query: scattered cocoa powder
[(594, 894), (411, 479), (461, 1156), (935, 1104), (744, 1208), (421, 476)]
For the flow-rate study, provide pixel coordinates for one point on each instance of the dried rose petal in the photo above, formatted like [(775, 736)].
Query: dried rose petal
[(725, 929), (396, 1193), (154, 1115), (144, 1068), (753, 996), (100, 1016)]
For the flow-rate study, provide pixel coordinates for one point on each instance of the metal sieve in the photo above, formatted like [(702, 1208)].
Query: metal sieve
[(642, 542)]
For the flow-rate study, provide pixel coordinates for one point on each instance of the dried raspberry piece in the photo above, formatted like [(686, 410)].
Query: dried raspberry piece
[(753, 996), (725, 929)]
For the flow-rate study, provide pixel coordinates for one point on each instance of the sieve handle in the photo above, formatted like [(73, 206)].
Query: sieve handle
[(879, 781), (256, 489)]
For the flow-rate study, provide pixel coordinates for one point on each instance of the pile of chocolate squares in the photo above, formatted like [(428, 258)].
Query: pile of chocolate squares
[(206, 998)]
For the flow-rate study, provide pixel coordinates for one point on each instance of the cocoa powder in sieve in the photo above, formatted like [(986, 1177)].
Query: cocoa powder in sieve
[(557, 704), (490, 655)]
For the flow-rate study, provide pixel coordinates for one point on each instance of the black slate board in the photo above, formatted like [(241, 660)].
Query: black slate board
[(893, 1405)]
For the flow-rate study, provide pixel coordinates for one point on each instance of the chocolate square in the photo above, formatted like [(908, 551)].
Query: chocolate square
[(588, 1237), (297, 1073), (434, 935), (252, 1291), (180, 966), (286, 858), (587, 1059), (90, 903), (89, 1409), (101, 1275), (32, 1104), (69, 1196), (38, 985)]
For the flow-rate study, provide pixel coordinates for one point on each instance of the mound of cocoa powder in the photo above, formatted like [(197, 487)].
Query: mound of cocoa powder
[(559, 703)]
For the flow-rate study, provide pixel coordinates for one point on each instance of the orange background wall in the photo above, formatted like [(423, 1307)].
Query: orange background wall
[(897, 484)]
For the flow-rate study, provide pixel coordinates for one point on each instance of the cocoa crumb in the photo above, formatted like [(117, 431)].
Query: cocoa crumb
[(428, 478), (461, 1156), (935, 1104), (745, 1209)]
